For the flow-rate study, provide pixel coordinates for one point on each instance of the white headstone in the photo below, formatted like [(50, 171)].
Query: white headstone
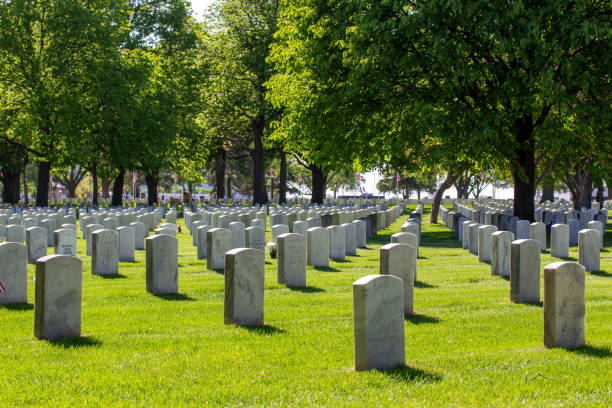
[(127, 243), (317, 246), (588, 249), (399, 260), (162, 264), (559, 240), (244, 287), (105, 252), (525, 271), (291, 259), (13, 273), (218, 241), (36, 238)]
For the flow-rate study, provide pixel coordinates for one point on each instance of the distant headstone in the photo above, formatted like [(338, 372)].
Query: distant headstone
[(525, 271), (485, 233), (65, 242), (15, 233), (559, 240), (473, 238), (317, 246), (105, 252), (399, 260), (278, 229), (218, 241), (50, 225), (564, 305), (300, 227), (90, 229), (57, 305), (523, 230), (500, 252), (337, 242), (140, 233), (255, 237), (410, 239), (597, 225), (574, 228), (350, 239), (291, 259), (537, 231), (13, 273), (127, 243), (237, 230), (244, 287), (360, 233), (162, 264), (378, 304), (588, 249), (202, 233), (36, 239)]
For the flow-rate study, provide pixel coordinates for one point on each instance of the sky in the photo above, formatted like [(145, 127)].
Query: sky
[(199, 6)]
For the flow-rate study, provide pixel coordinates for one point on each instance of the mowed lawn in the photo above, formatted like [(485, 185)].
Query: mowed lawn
[(468, 345)]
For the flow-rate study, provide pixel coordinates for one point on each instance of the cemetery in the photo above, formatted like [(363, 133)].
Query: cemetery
[(302, 203)]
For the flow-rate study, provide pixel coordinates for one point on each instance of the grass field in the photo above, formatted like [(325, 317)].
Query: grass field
[(468, 345)]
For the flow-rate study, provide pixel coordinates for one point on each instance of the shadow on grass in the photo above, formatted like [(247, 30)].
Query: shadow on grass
[(422, 257), (326, 269), (535, 304), (268, 263), (264, 330), (75, 342), (410, 374), (506, 278), (419, 284), (569, 258), (593, 351), (602, 274), (175, 297), (17, 306), (113, 276), (305, 289), (420, 319)]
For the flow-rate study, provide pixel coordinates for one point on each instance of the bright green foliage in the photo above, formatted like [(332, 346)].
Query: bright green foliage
[(467, 344)]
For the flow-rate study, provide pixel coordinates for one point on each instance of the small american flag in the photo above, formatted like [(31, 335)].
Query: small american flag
[(2, 288)]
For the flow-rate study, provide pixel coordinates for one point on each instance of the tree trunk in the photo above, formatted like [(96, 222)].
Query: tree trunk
[(435, 204), (260, 195), (271, 188), (26, 200), (152, 182), (94, 178), (548, 193), (282, 185), (42, 184), (609, 185), (586, 194), (118, 189), (318, 184), (11, 180), (599, 197), (220, 175), (228, 186), (105, 189), (523, 173)]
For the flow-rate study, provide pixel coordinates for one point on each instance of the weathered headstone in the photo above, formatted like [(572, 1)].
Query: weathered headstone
[(162, 264), (407, 238), (574, 228), (90, 229), (127, 243), (360, 233), (140, 233), (378, 304), (278, 229), (244, 287), (50, 225), (484, 242), (337, 242), (525, 271), (202, 233), (473, 238), (255, 237), (57, 305), (317, 246), (350, 239), (596, 225), (15, 233), (588, 249), (65, 242), (105, 252), (291, 259), (500, 252), (537, 231), (237, 230), (218, 241), (559, 240), (36, 238), (564, 305), (400, 260), (13, 273)]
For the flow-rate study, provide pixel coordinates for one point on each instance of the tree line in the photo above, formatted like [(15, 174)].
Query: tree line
[(518, 91)]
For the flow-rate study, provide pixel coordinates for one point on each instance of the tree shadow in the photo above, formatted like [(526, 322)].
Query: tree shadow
[(420, 284), (17, 306), (411, 374), (305, 289), (602, 274), (175, 297), (326, 269), (113, 276), (264, 330), (76, 342), (421, 318), (593, 351)]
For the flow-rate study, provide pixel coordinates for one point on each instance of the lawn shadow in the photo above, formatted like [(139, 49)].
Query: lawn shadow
[(175, 297), (17, 306), (506, 278), (325, 269), (263, 330), (422, 257), (367, 249), (420, 319), (268, 263), (592, 351), (419, 284), (410, 374), (305, 289), (74, 342), (569, 258), (535, 304), (113, 276), (602, 274)]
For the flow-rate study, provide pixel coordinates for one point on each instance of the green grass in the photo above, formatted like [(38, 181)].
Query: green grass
[(468, 345)]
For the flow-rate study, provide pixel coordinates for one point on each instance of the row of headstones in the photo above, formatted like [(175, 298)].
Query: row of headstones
[(58, 282)]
